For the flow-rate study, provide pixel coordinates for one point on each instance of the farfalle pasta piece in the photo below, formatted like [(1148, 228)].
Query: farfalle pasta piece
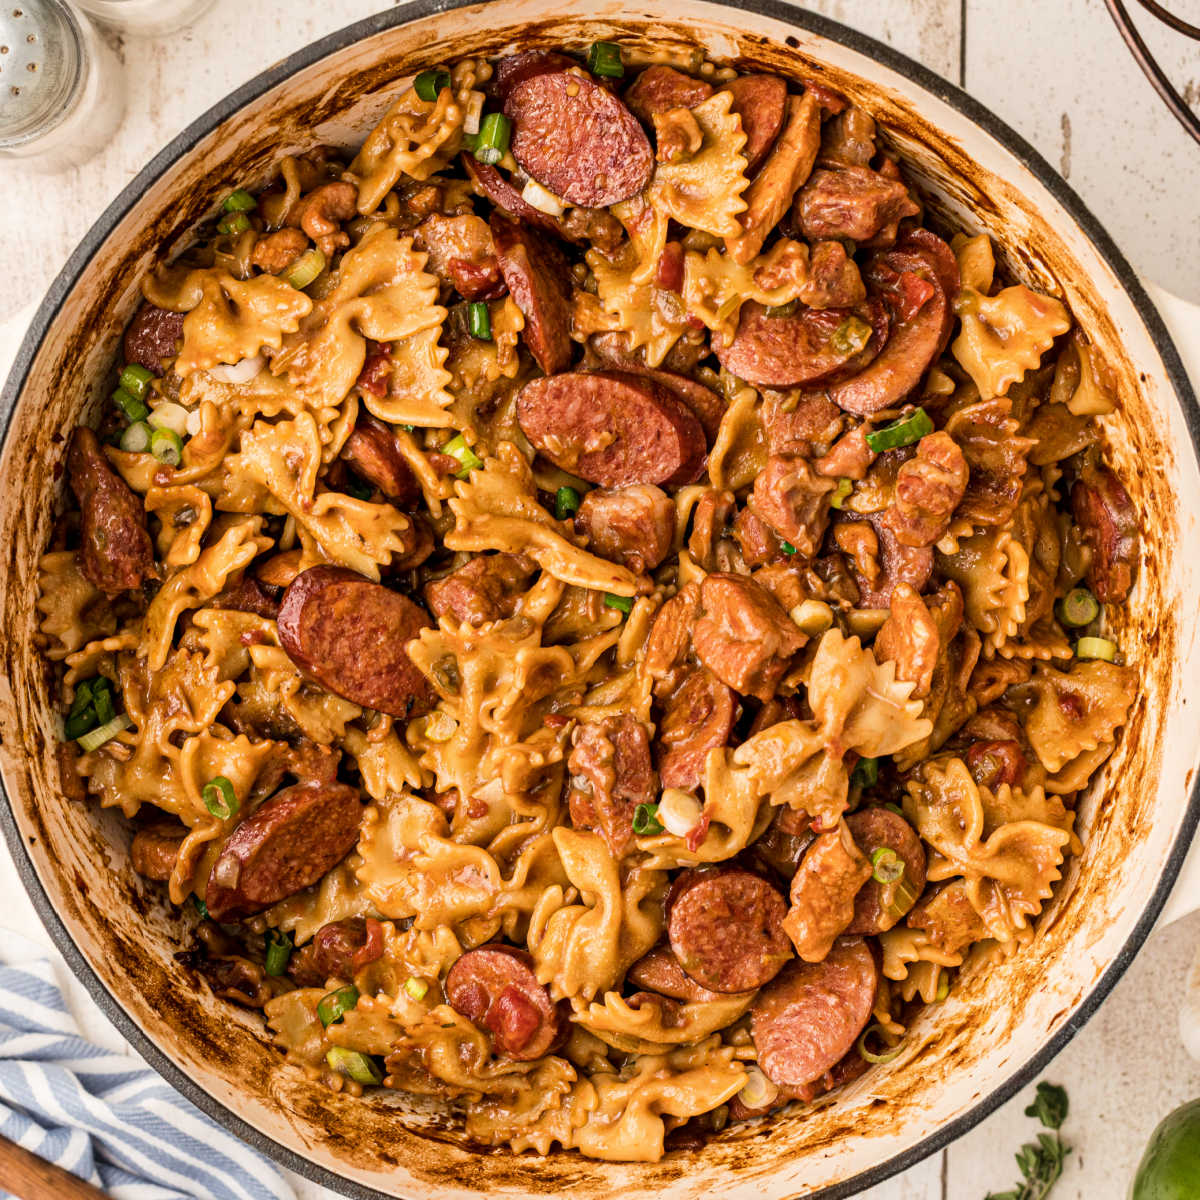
[(386, 764), (415, 137), (653, 319), (911, 959), (73, 611), (277, 689), (338, 897), (419, 387), (1082, 382), (1007, 804), (285, 458), (992, 568), (1075, 712), (648, 1023), (224, 636), (185, 514), (195, 585), (739, 454), (227, 319), (584, 948), (497, 509)]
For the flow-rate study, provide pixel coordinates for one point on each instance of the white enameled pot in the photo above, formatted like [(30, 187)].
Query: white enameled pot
[(1002, 1023)]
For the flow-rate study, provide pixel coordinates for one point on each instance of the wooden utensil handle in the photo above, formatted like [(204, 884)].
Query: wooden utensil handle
[(31, 1178)]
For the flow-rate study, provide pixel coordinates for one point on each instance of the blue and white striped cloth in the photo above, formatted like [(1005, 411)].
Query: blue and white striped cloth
[(106, 1116)]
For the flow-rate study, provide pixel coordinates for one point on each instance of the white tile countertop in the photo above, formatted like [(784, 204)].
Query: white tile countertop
[(1060, 75)]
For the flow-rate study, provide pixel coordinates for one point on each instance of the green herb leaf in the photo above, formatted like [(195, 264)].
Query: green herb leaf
[(1041, 1162), (1050, 1105)]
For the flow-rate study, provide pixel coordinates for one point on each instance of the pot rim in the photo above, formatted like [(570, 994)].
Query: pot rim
[(824, 27)]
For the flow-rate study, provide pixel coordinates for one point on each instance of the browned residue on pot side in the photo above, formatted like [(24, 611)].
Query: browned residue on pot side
[(128, 933)]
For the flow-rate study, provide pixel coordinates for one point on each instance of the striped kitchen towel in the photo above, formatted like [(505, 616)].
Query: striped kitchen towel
[(105, 1116)]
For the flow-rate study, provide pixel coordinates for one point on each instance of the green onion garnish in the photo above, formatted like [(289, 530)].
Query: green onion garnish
[(96, 738), (869, 1055), (103, 706), (470, 141), (429, 83), (850, 336), (279, 950), (782, 310), (1078, 608), (895, 808), (136, 438), (479, 321), (200, 906), (865, 773), (131, 406), (645, 820), (135, 380), (92, 705), (943, 987), (841, 493), (492, 143), (788, 548), (415, 987), (566, 502), (886, 865), (604, 58), (899, 433), (305, 269), (457, 447), (167, 446), (354, 1065), (620, 603), (233, 224), (219, 798), (239, 202), (336, 1005), (1096, 647), (356, 488)]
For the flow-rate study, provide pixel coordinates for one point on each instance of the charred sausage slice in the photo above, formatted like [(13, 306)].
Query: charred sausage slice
[(288, 843), (659, 88), (659, 971), (153, 338), (808, 1017), (342, 948), (922, 272), (372, 452), (538, 280), (726, 928), (114, 547), (155, 849), (350, 635), (496, 988), (613, 428), (577, 139), (698, 717), (1105, 516), (879, 906), (761, 102), (516, 68)]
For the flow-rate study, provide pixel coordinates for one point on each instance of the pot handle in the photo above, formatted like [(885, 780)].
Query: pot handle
[(1183, 321)]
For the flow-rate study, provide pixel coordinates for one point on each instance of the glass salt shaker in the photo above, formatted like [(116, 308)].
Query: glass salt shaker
[(146, 18), (62, 92)]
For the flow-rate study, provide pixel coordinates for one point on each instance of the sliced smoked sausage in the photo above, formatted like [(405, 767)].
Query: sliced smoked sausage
[(659, 88), (350, 635), (918, 280), (153, 337), (155, 849), (371, 450), (808, 1017), (803, 348), (1105, 516), (698, 717), (515, 68), (577, 139), (725, 926), (288, 843), (879, 906), (496, 988), (761, 102), (538, 280), (613, 428), (659, 971)]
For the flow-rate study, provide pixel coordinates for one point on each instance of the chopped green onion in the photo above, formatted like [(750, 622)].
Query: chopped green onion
[(408, 428), (869, 1055), (470, 141), (356, 488), (896, 809), (429, 83), (841, 493), (135, 381), (865, 773), (96, 738), (279, 950), (620, 603), (76, 725), (83, 696), (305, 269), (102, 704), (604, 58), (645, 820), (566, 502), (354, 1065), (233, 224), (336, 1005), (415, 987), (239, 201), (200, 907), (479, 320), (136, 438), (492, 143), (943, 987), (167, 446), (850, 336), (1078, 608), (886, 865), (1096, 647), (457, 447), (219, 798), (899, 433), (782, 310), (133, 408), (788, 548)]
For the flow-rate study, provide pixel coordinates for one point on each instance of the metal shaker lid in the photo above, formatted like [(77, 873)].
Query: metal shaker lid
[(41, 67)]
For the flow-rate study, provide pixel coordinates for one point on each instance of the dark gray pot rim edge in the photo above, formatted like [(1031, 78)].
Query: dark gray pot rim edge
[(811, 22)]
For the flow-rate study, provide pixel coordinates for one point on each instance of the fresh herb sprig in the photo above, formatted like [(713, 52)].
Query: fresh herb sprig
[(1041, 1162)]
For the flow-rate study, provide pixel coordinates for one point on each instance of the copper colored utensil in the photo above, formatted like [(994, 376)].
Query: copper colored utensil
[(31, 1178)]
